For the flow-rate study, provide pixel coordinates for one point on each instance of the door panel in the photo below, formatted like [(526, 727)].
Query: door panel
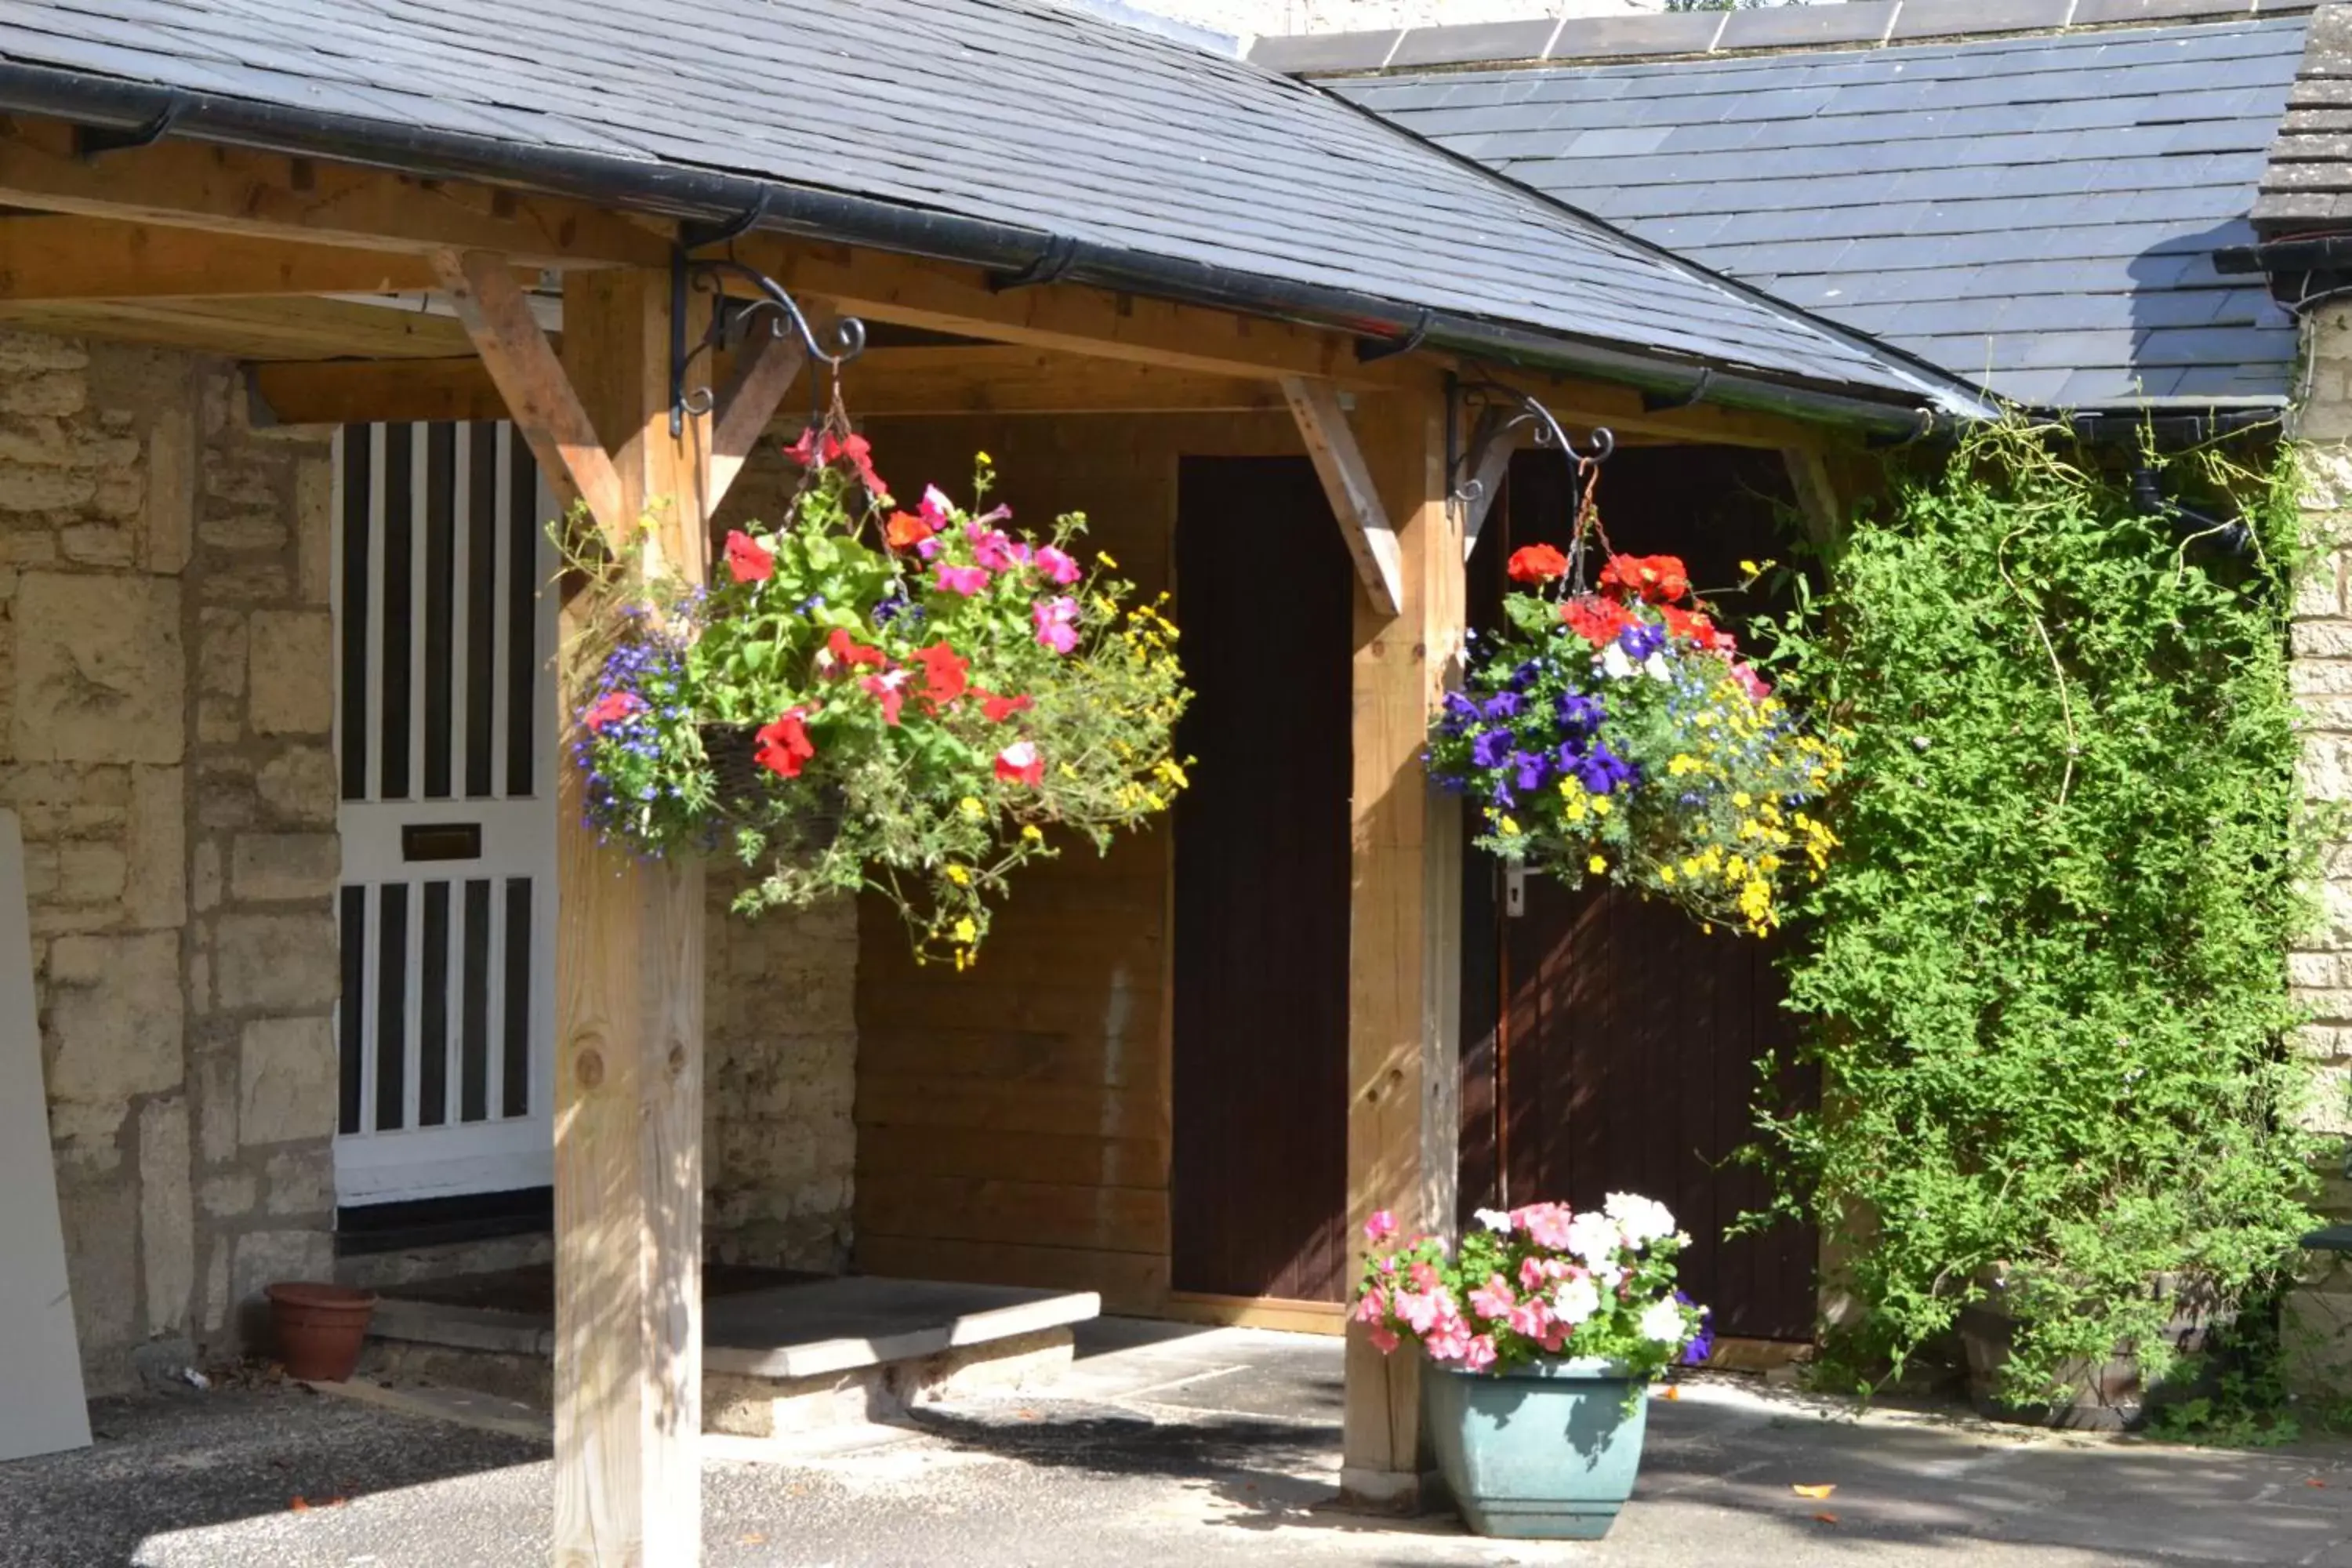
[(1609, 1043), (447, 756), (1266, 595)]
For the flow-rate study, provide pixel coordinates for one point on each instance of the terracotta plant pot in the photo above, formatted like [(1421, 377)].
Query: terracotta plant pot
[(319, 1328)]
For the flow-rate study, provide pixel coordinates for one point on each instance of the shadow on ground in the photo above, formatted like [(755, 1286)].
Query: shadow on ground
[(160, 1466)]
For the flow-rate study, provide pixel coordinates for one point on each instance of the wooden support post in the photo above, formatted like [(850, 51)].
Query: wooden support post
[(1347, 482), (1817, 494), (628, 1096), (1403, 999)]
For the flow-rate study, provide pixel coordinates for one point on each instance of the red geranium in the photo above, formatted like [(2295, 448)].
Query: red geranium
[(611, 708), (1597, 620), (943, 674), (1659, 579), (1537, 564), (784, 747), (747, 559)]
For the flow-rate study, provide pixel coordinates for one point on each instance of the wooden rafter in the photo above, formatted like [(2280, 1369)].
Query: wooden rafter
[(233, 190), (951, 381), (1347, 482), (538, 394)]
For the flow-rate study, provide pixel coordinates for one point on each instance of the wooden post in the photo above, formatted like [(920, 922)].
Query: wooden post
[(1405, 920), (628, 1077)]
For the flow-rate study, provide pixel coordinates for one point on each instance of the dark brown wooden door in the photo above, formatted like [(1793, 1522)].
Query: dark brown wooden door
[(1610, 1044), (1265, 593)]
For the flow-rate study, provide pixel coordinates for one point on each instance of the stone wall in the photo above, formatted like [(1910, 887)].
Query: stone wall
[(146, 560), (2319, 1317)]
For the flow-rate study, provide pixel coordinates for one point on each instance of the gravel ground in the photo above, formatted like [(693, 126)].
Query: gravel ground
[(1165, 1449)]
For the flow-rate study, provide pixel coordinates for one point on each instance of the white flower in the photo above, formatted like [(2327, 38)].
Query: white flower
[(1643, 1220), (1663, 1320), (1654, 666), (1595, 1239), (1575, 1301), (1494, 1220), (1615, 663)]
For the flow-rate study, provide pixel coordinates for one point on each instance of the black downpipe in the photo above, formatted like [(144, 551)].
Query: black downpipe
[(699, 195)]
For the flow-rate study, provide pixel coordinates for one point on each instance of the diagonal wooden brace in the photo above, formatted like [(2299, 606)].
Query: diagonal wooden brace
[(1347, 482)]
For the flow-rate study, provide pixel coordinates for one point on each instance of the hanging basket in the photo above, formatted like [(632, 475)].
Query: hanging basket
[(799, 817)]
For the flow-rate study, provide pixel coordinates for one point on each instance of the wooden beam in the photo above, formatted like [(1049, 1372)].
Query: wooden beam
[(1403, 1129), (44, 256), (1347, 482), (1817, 494), (944, 297), (292, 328), (741, 414), (899, 383), (233, 190), (531, 381), (1580, 404), (629, 985)]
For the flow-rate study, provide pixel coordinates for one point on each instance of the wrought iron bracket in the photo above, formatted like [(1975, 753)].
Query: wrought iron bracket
[(1500, 414), (729, 315)]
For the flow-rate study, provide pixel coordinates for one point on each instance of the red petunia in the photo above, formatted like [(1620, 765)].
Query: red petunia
[(804, 451), (784, 747), (1021, 762), (1693, 626), (1659, 579), (747, 559), (906, 530), (1597, 620), (848, 655), (1537, 564), (999, 709), (944, 673), (859, 454), (611, 708)]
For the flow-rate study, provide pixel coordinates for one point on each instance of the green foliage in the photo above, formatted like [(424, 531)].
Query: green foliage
[(2047, 987)]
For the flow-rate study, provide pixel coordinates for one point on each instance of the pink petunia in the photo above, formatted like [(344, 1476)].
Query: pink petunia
[(1383, 1338), (887, 690), (1380, 1226), (1057, 566), (964, 580), (1423, 1276), (1450, 1340), (1546, 1223), (1755, 685), (1479, 1353), (1531, 1273), (1057, 623), (935, 507), (991, 549), (1371, 1307), (1494, 1298), (1531, 1317)]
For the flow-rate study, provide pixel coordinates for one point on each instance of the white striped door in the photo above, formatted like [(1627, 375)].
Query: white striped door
[(446, 735)]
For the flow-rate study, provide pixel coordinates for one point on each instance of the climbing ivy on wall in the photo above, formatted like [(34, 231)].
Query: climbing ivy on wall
[(2047, 979)]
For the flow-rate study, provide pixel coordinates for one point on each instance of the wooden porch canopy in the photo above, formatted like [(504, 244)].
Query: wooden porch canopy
[(157, 195)]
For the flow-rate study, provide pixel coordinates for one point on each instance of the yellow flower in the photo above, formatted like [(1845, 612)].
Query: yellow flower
[(1104, 556), (1666, 874), (984, 459), (1031, 834), (1508, 827), (1599, 805), (972, 807), (1597, 864), (1740, 800), (965, 930), (959, 876)]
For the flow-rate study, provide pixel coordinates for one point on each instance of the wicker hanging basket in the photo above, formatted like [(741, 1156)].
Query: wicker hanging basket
[(799, 817)]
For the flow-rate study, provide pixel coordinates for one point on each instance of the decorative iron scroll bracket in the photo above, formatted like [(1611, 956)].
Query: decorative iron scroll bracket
[(1475, 471), (731, 315)]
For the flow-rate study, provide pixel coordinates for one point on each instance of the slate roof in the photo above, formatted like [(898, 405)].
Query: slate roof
[(2308, 184), (1016, 111), (2037, 212)]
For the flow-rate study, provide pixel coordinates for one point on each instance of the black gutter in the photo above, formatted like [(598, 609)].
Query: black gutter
[(704, 196)]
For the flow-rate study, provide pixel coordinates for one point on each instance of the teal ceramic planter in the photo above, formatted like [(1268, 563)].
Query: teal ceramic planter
[(1548, 1451)]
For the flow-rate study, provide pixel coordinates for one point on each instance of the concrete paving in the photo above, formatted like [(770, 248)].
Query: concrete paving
[(1166, 1448)]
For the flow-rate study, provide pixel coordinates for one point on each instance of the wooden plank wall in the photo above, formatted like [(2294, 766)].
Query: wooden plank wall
[(1013, 1122)]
